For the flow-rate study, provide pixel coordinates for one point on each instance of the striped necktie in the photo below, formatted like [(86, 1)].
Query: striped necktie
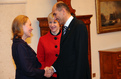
[(64, 29)]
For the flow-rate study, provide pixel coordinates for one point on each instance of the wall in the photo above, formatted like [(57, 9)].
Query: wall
[(7, 14), (41, 8)]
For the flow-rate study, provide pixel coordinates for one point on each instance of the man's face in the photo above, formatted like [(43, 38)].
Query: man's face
[(58, 15)]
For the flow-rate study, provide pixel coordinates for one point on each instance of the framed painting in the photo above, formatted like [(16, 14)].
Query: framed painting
[(108, 15)]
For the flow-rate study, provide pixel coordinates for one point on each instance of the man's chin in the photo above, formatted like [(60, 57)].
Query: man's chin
[(60, 22)]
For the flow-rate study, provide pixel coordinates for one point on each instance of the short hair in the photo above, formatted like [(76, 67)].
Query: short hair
[(17, 24), (61, 5), (51, 17)]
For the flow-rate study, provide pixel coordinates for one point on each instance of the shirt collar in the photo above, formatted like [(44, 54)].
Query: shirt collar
[(68, 21)]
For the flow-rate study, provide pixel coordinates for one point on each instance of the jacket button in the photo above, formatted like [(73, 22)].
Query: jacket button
[(55, 38), (56, 55), (56, 46)]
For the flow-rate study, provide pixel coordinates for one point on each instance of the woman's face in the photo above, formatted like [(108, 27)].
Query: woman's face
[(27, 29), (54, 26)]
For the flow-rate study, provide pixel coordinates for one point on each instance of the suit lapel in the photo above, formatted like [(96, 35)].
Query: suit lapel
[(69, 29)]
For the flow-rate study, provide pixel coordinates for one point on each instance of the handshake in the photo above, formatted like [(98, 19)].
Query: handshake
[(48, 72)]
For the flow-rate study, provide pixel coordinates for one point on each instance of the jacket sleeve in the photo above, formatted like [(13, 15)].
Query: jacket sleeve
[(26, 63), (82, 52), (40, 53)]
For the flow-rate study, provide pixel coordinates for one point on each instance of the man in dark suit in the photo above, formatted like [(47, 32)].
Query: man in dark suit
[(72, 62)]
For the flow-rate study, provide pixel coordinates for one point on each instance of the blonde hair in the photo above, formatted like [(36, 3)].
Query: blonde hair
[(50, 17), (17, 24)]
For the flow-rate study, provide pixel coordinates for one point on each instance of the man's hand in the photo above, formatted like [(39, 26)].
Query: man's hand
[(48, 72)]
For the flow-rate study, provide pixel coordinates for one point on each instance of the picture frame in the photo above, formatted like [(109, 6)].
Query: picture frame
[(108, 16)]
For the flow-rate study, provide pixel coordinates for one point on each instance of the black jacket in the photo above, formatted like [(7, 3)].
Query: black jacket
[(72, 62), (27, 65)]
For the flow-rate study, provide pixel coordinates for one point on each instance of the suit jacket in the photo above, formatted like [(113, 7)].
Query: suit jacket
[(72, 62), (48, 50), (26, 62)]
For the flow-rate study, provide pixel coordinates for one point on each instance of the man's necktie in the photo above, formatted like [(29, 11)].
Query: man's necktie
[(64, 29)]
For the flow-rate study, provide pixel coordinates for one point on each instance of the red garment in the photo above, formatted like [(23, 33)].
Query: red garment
[(48, 50)]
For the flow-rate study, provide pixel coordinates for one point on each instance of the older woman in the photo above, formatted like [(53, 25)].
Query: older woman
[(27, 65), (49, 45)]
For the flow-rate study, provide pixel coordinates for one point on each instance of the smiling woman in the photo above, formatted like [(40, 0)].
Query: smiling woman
[(27, 65), (49, 45), (12, 1)]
